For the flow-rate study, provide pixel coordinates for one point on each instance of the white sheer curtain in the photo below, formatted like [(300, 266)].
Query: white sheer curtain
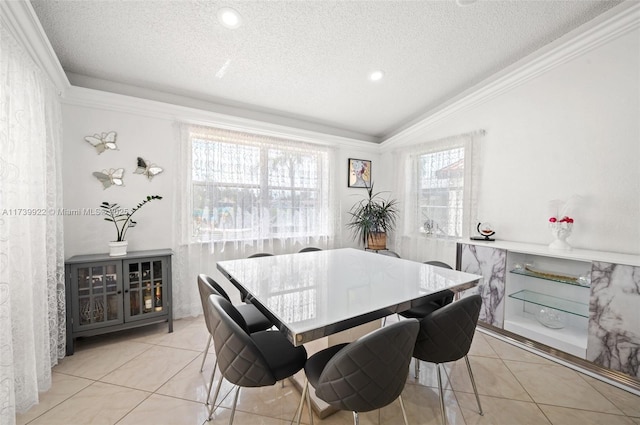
[(436, 184), (32, 308), (241, 193)]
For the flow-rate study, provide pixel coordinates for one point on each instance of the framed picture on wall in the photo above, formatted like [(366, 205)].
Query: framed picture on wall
[(359, 173)]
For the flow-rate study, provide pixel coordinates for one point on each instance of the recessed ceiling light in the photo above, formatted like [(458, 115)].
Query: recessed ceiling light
[(463, 3), (376, 75), (229, 18)]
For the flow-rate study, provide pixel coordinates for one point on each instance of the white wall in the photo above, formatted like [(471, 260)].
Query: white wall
[(152, 139), (155, 139), (571, 131)]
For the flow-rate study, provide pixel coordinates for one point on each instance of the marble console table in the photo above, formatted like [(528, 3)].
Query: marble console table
[(602, 320)]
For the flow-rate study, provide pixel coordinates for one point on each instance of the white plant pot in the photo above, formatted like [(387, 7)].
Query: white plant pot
[(118, 249)]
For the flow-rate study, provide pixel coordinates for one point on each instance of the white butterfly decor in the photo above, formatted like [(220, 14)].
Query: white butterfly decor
[(103, 142), (110, 177), (148, 169)]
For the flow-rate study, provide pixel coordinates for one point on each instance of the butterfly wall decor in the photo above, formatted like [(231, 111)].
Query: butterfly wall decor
[(148, 169), (103, 142), (110, 177)]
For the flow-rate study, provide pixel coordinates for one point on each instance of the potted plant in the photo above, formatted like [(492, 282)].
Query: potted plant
[(121, 219), (372, 218)]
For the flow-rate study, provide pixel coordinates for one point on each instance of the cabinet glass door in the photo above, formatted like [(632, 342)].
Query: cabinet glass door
[(97, 296), (158, 304), (145, 285)]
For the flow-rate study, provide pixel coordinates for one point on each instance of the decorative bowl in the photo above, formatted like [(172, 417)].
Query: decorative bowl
[(551, 318)]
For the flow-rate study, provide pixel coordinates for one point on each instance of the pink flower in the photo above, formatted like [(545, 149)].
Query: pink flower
[(565, 219)]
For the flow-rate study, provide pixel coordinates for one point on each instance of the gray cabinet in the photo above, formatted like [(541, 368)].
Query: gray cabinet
[(106, 294)]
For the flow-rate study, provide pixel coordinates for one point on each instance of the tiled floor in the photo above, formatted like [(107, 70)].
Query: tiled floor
[(148, 376)]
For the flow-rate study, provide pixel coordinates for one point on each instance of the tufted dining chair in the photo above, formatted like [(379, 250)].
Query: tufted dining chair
[(245, 359), (363, 375), (446, 335), (444, 298), (309, 249), (423, 310), (389, 253), (260, 254), (254, 320)]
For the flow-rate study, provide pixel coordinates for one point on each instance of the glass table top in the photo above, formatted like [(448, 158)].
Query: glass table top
[(314, 294)]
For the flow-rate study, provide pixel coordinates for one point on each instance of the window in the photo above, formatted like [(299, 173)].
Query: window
[(252, 187), (441, 192)]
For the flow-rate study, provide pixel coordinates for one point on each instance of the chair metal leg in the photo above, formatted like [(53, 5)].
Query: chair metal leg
[(384, 321), (298, 415), (404, 412), (309, 407), (213, 406), (206, 351), (235, 402), (473, 383), (356, 419), (416, 368), (444, 414), (304, 396), (213, 373)]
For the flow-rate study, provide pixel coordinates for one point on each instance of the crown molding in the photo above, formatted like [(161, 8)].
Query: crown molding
[(610, 25), (98, 99), (22, 22), (235, 110)]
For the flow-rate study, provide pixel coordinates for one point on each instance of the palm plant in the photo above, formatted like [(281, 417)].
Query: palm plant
[(372, 218), (121, 218)]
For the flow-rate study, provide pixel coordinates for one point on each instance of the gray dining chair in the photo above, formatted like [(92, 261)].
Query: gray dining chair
[(255, 321), (440, 300), (389, 253), (363, 375), (446, 336), (246, 359), (443, 298), (260, 254), (309, 249)]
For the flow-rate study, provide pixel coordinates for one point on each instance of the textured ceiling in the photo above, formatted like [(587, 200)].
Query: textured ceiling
[(306, 60)]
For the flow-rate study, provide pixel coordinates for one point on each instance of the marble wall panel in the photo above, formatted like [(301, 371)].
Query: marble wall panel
[(491, 264), (614, 317)]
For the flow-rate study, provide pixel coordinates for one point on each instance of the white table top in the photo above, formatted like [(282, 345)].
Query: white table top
[(314, 294)]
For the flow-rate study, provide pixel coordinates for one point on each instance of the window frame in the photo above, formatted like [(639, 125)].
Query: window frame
[(321, 190), (456, 211)]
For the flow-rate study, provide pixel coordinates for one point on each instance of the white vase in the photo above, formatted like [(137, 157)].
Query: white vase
[(118, 249), (560, 231)]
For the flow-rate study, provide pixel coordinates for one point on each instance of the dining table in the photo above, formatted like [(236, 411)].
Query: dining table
[(311, 295)]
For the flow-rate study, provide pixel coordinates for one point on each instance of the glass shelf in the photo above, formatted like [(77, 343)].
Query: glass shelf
[(569, 280), (561, 304)]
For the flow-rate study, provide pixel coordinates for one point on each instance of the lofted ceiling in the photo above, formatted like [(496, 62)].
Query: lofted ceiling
[(305, 62)]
